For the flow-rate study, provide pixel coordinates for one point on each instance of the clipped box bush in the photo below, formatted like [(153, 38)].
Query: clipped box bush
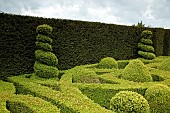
[(146, 41), (146, 49), (45, 71), (69, 99), (165, 65), (46, 61), (147, 34), (30, 104), (43, 38), (129, 102), (43, 46), (47, 58), (108, 62), (44, 29), (158, 97), (147, 55), (136, 71), (83, 75), (6, 91)]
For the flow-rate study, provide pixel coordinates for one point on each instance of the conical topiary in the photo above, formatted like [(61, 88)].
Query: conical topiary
[(46, 61), (136, 71), (146, 49)]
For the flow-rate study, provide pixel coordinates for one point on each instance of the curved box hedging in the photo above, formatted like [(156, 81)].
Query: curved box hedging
[(30, 104)]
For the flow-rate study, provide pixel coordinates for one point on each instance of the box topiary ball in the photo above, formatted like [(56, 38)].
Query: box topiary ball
[(129, 102), (158, 97), (108, 63), (44, 29), (83, 75), (165, 65), (136, 71)]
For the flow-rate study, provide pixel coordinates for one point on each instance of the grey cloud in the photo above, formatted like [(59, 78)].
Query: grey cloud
[(151, 12)]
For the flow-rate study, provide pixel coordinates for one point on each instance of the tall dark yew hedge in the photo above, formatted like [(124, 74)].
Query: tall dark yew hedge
[(74, 42)]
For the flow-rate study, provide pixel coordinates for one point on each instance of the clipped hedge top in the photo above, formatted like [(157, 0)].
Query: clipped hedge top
[(165, 65), (34, 104)]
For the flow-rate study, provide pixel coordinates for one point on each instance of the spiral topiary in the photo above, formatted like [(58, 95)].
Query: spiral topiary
[(165, 65), (46, 61), (108, 63), (129, 102), (158, 97), (146, 49), (136, 71)]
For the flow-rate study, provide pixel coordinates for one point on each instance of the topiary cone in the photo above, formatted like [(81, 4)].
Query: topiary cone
[(136, 71)]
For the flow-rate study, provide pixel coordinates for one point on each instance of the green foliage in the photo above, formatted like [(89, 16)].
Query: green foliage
[(147, 34), (83, 75), (166, 44), (30, 104), (43, 46), (147, 55), (146, 48), (122, 63), (139, 24), (69, 99), (74, 42), (6, 91), (128, 102), (46, 61), (158, 97), (47, 58), (146, 41), (102, 93), (108, 62), (136, 71), (165, 65), (43, 38), (45, 71), (44, 29)]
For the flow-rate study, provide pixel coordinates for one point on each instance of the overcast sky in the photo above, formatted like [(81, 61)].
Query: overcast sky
[(154, 13)]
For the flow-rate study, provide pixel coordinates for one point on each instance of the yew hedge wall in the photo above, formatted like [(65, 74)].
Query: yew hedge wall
[(74, 42)]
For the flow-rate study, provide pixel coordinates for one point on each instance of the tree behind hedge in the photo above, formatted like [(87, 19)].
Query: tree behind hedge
[(46, 61), (145, 46)]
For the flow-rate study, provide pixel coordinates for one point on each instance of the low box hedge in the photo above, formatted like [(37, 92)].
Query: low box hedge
[(6, 90), (102, 93), (69, 100), (30, 104)]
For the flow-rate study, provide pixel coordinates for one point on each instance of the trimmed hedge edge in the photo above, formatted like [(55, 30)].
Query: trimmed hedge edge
[(28, 103), (71, 102)]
